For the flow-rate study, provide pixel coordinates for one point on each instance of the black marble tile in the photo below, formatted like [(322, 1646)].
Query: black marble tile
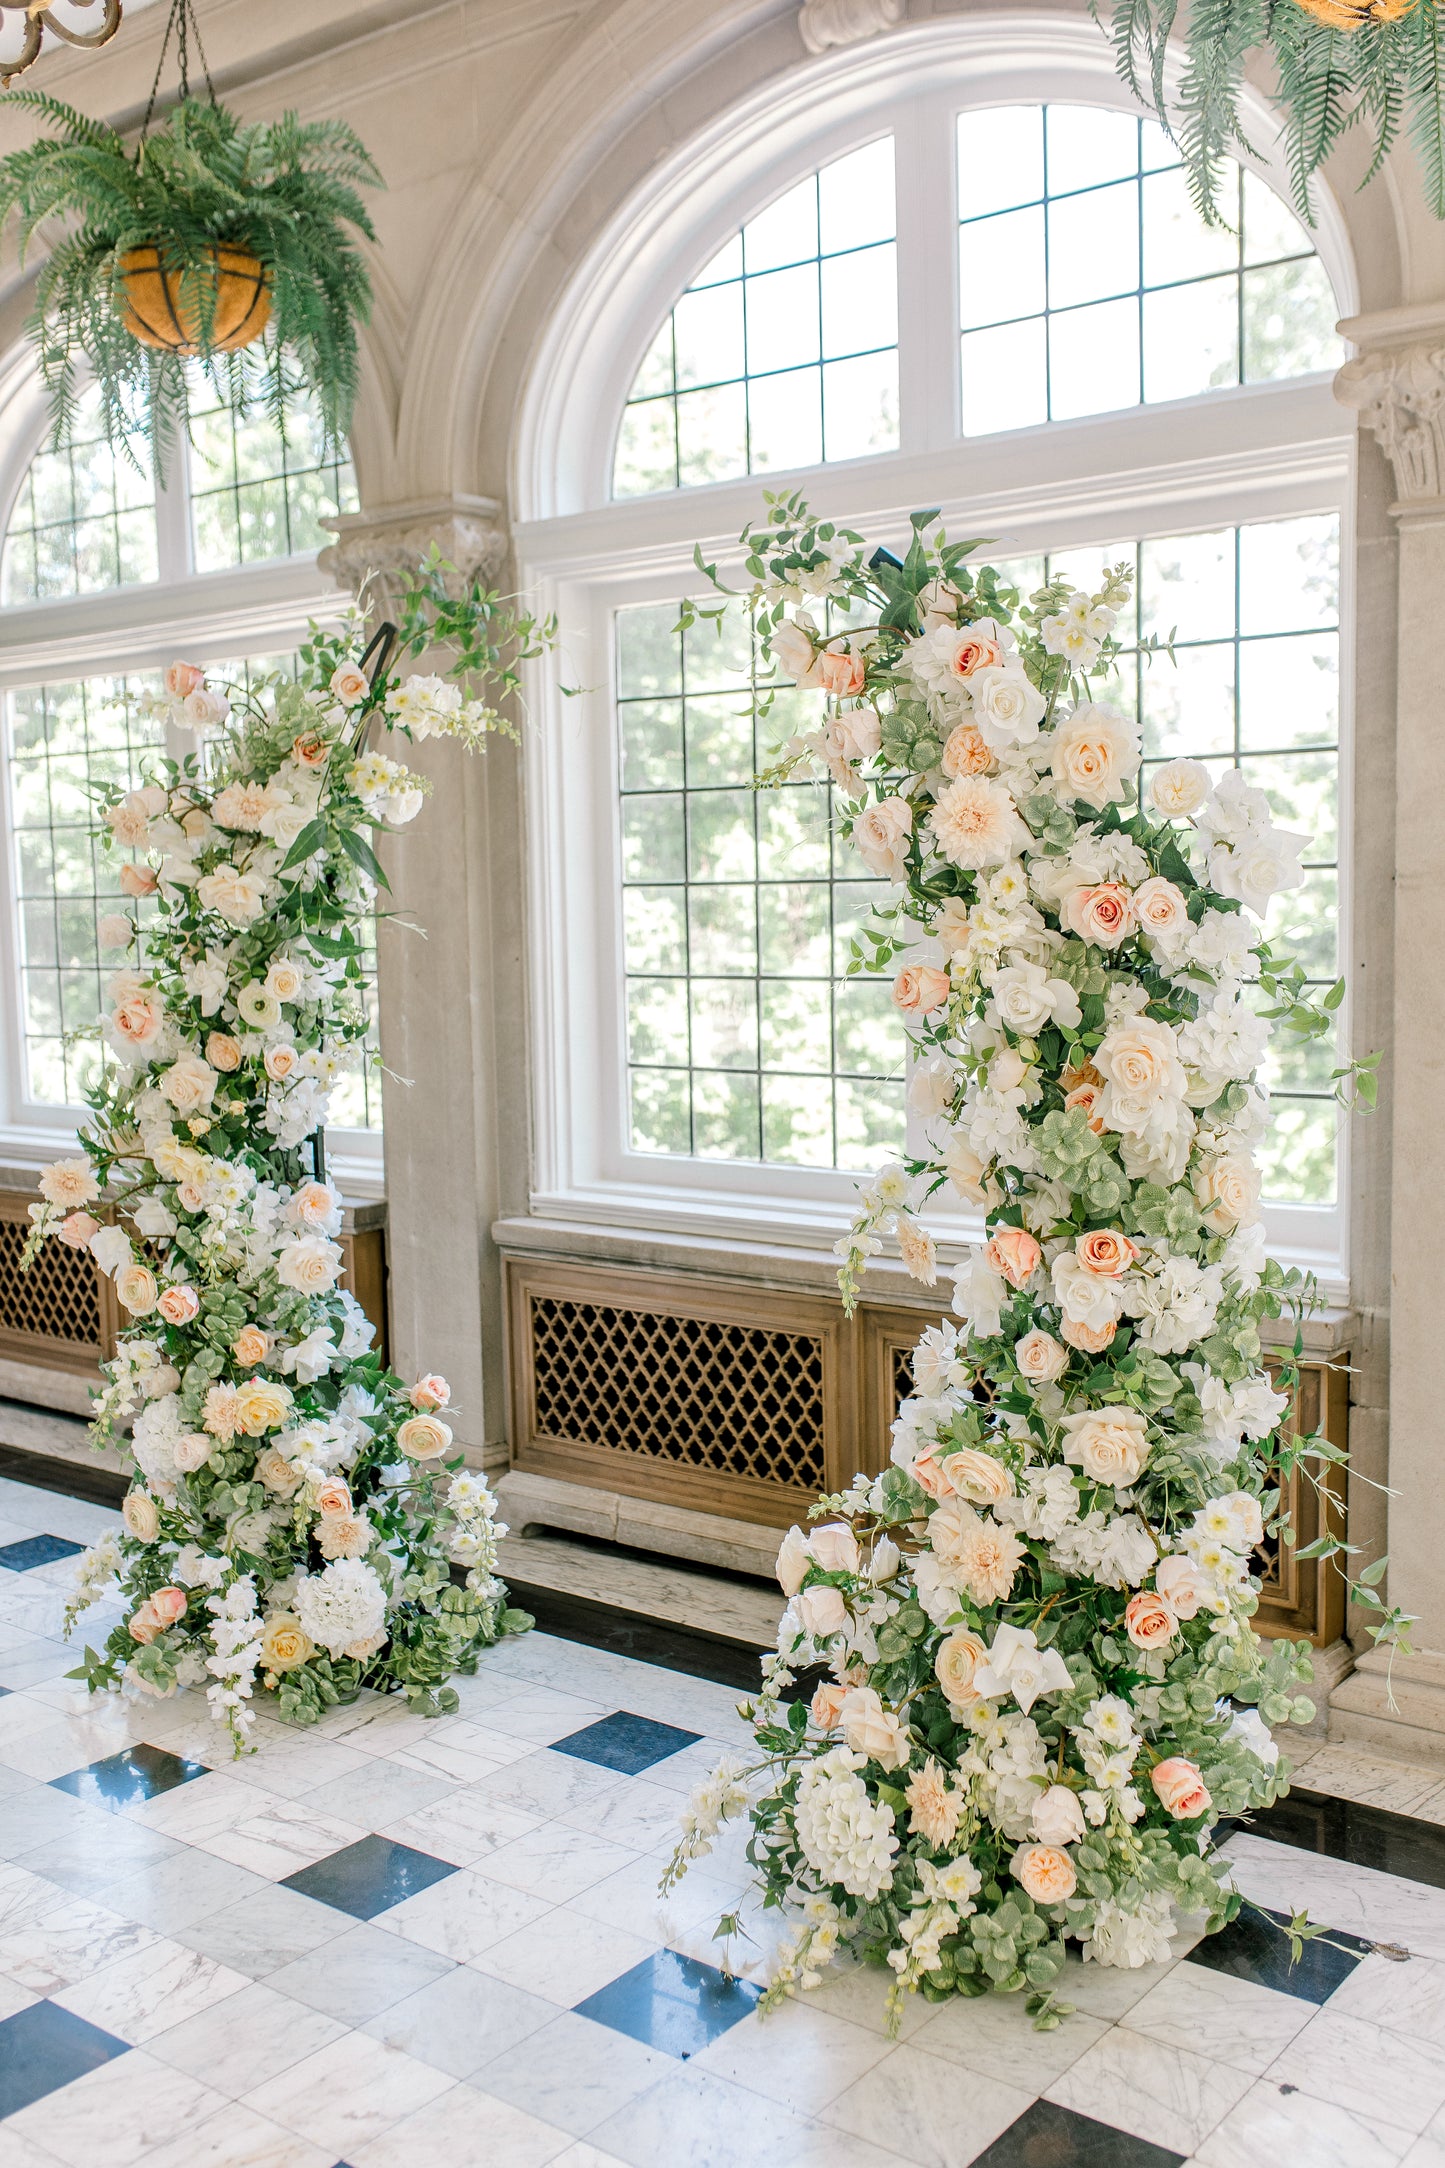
[(1363, 1836), (45, 2047), (626, 1743), (1255, 1947), (37, 1551), (127, 1778), (1046, 2136), (368, 1877), (672, 2003)]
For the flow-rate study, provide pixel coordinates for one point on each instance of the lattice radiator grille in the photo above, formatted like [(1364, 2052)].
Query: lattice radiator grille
[(723, 1398), (57, 1299)]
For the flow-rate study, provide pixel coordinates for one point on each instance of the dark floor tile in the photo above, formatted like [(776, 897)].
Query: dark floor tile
[(37, 1551), (650, 1641), (1363, 1836), (627, 1743), (368, 1877), (1255, 1947), (671, 2002), (126, 1779), (45, 2047), (1046, 2136)]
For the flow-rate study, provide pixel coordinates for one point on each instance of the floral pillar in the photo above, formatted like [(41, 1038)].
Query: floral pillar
[(436, 994), (1397, 385)]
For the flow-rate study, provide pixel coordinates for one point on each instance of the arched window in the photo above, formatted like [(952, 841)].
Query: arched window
[(103, 579), (1028, 325)]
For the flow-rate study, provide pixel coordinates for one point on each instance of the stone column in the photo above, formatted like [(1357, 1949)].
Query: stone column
[(1397, 385), (438, 991)]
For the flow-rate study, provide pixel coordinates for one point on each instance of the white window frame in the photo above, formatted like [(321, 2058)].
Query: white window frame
[(1221, 459), (206, 616)]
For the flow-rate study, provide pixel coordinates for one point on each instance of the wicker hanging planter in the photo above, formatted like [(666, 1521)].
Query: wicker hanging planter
[(160, 312)]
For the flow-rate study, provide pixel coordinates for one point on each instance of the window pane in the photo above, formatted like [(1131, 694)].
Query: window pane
[(1077, 232), (259, 492), (731, 384), (84, 519)]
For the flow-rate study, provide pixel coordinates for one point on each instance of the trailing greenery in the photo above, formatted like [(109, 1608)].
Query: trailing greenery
[(287, 190), (1339, 64)]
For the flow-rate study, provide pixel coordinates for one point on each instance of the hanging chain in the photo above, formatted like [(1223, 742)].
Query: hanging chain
[(182, 24)]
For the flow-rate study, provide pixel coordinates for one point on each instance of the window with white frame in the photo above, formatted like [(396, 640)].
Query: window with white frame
[(104, 577), (1070, 345)]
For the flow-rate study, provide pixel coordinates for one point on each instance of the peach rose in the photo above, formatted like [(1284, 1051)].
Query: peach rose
[(113, 930), (284, 979), (424, 1437), (285, 1643), (1039, 1357), (1093, 754), (1088, 1339), (310, 750), (349, 684), (430, 1393), (931, 1474), (138, 1511), (367, 1646), (1014, 1254), (183, 678), (1179, 1788), (169, 1604), (1103, 915), (178, 1305), (250, 1345), (1047, 1874), (137, 1289), (333, 1498), (955, 1661), (138, 1018), (76, 1229), (826, 1703), (977, 647), (869, 1728), (966, 753), (1226, 1189), (840, 672), (919, 989), (279, 1061), (143, 1625), (138, 880), (1105, 1252), (1161, 910), (1149, 1620), (1087, 1097), (223, 1052), (192, 1451)]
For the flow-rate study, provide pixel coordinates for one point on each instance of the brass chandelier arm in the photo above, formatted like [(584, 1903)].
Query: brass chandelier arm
[(40, 19)]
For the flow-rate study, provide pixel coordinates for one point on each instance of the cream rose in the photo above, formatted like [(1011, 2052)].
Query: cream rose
[(1046, 1873), (113, 930), (1179, 1788), (821, 1610), (978, 1476), (261, 1405), (141, 1515), (1139, 1062), (223, 1052), (1040, 1358), (827, 1700), (955, 1661), (834, 1548), (868, 1728), (349, 684), (279, 1475), (279, 1061), (1227, 1191), (424, 1437), (1094, 753), (310, 1265), (285, 1643), (135, 881), (333, 1498), (234, 896), (1111, 1445), (794, 651), (792, 1562), (1161, 911), (137, 1289), (1178, 789), (1007, 706), (249, 1346), (1184, 1586), (284, 979), (880, 834), (1089, 1339), (189, 1084), (192, 1451)]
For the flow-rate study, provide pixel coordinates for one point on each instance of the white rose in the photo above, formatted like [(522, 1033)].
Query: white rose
[(1178, 789), (310, 1265), (234, 896), (794, 651), (1058, 1818), (189, 1084), (793, 1561), (1094, 754), (1007, 706), (1111, 1445), (110, 1249)]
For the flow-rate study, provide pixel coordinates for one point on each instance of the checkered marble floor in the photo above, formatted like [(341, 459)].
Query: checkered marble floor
[(397, 1944)]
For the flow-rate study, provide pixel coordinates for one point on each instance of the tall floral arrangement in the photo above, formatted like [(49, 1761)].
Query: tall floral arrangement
[(296, 1508), (1041, 1682)]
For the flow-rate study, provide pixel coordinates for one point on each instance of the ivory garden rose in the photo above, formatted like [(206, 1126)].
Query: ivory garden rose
[(1040, 1622)]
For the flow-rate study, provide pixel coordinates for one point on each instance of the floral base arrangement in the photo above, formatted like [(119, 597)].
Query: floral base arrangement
[(296, 1510), (1040, 1687)]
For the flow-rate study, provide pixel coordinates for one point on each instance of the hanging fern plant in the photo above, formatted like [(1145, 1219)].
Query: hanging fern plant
[(1339, 64), (205, 237)]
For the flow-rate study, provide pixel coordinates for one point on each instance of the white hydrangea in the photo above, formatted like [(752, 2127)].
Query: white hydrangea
[(342, 1604), (845, 1838), (1130, 1939)]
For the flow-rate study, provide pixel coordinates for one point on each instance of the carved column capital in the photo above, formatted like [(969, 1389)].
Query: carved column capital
[(381, 548), (1396, 384), (845, 22)]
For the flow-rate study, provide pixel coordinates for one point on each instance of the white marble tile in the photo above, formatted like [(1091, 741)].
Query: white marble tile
[(630, 1899), (379, 1791), (1400, 1787), (1168, 2095), (935, 2114), (707, 2122), (25, 2153), (1363, 2067), (584, 2155), (458, 1751), (21, 1716), (349, 2093), (557, 1864), (33, 1814), (119, 2114), (461, 1827), (297, 1764), (253, 2035), (1230, 2021), (543, 1715), (49, 1940), (461, 2021), (463, 1916), (270, 1928), (462, 2129), (1406, 1998), (66, 1743), (151, 1991), (859, 1994), (680, 1774), (14, 1998), (172, 1893), (994, 2034), (375, 1724), (547, 1785), (1428, 2151), (197, 1810), (359, 1974), (1275, 2124), (280, 1836), (1108, 1991), (638, 1815), (564, 1956), (89, 1859), (239, 2138), (574, 2074), (1378, 1907), (799, 2056)]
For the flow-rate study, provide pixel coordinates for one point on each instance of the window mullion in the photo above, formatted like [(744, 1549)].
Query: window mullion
[(927, 276), (173, 519)]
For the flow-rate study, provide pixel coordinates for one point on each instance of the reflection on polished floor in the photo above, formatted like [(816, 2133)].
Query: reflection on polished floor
[(394, 1943)]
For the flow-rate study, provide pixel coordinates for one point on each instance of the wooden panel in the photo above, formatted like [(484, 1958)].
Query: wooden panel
[(1304, 1599), (363, 1272), (699, 1393)]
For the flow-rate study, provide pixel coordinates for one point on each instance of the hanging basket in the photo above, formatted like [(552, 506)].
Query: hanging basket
[(156, 313)]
